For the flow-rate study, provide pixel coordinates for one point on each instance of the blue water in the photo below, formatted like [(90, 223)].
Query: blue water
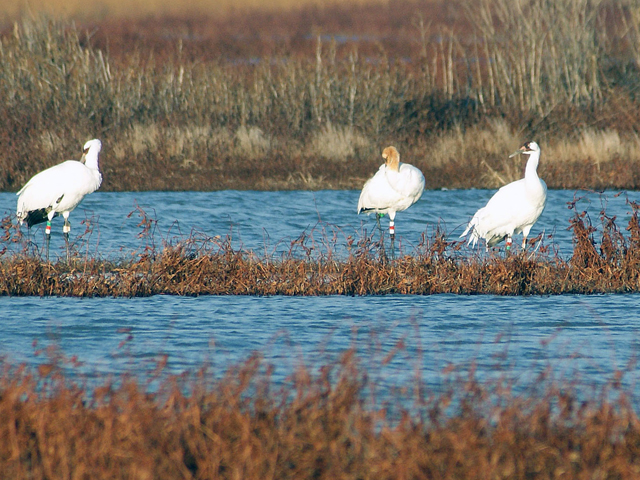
[(267, 222), (583, 338)]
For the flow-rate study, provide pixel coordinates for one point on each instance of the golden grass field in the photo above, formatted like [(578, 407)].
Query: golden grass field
[(322, 424), (141, 8)]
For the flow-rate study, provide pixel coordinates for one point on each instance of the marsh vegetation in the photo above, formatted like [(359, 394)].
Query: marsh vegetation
[(323, 422), (309, 97), (605, 259)]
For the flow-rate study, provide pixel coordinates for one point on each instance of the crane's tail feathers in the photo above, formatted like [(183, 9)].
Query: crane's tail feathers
[(473, 237), (368, 211)]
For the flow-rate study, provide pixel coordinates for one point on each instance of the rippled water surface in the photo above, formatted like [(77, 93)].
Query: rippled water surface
[(585, 338), (265, 221)]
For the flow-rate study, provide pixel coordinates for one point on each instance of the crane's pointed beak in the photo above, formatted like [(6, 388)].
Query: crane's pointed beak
[(522, 149)]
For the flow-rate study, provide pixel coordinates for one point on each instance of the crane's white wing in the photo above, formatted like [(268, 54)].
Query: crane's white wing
[(510, 210), (390, 191), (62, 186), (377, 195), (408, 182)]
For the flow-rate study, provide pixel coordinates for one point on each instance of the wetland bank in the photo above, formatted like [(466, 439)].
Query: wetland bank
[(314, 243), (310, 97)]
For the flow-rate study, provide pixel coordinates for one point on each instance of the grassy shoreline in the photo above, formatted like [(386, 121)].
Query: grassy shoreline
[(312, 96)]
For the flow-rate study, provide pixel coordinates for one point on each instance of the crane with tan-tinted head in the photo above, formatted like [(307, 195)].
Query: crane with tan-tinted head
[(394, 188)]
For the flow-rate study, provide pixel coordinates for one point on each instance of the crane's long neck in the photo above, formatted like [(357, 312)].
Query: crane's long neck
[(393, 163), (91, 158), (531, 171)]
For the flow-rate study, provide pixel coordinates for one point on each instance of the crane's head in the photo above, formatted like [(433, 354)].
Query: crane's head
[(529, 147), (95, 144), (92, 145), (392, 158)]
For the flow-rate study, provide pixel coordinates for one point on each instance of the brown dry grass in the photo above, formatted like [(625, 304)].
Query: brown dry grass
[(145, 8), (315, 425), (307, 98), (210, 266)]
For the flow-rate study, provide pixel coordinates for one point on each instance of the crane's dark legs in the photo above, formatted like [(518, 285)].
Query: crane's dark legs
[(378, 217), (30, 243), (66, 229), (47, 237)]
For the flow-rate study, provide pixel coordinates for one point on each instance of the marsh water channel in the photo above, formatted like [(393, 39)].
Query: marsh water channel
[(583, 338)]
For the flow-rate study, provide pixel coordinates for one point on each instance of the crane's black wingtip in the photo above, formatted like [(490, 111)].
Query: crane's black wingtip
[(35, 217)]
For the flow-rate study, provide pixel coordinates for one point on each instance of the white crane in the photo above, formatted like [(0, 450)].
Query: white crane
[(512, 209), (395, 187), (60, 189)]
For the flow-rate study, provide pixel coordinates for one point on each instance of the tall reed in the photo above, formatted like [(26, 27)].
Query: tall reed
[(541, 54)]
